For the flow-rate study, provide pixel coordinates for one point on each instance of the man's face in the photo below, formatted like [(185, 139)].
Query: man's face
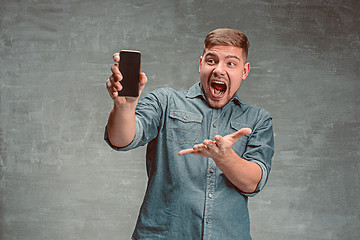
[(222, 68)]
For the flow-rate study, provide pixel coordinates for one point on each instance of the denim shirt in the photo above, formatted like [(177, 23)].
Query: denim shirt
[(189, 197)]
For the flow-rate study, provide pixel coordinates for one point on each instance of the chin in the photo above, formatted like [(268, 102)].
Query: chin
[(217, 104)]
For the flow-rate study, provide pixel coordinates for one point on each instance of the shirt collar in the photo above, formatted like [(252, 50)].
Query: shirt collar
[(195, 91)]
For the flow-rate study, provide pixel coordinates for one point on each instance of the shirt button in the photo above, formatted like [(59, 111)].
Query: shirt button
[(210, 195), (212, 170), (214, 125), (184, 117)]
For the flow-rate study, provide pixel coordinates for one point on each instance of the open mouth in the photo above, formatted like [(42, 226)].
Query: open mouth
[(218, 88)]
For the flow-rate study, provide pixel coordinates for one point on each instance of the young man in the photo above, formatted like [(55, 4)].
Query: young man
[(207, 150)]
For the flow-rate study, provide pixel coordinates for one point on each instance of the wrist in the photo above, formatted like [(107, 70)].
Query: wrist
[(125, 106)]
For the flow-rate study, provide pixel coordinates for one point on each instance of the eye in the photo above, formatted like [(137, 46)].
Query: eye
[(232, 64), (210, 61)]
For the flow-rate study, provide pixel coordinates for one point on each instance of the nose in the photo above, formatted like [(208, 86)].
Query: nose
[(219, 70)]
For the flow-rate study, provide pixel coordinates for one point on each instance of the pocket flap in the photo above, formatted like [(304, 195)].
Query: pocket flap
[(185, 116), (237, 126)]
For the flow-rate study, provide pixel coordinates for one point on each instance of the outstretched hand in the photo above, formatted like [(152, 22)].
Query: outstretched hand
[(218, 148)]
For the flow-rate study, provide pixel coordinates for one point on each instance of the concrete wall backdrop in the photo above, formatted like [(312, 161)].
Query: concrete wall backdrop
[(58, 178)]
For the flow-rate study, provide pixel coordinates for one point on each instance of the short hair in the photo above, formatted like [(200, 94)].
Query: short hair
[(227, 37)]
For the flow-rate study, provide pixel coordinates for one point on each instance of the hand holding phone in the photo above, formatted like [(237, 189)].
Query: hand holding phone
[(129, 66)]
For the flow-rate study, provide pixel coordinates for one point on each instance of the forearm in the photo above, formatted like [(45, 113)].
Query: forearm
[(121, 125), (245, 175)]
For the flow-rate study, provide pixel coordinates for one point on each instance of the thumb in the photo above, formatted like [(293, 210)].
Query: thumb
[(142, 81), (242, 132)]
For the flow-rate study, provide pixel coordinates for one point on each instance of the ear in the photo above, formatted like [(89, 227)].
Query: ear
[(201, 58), (246, 70)]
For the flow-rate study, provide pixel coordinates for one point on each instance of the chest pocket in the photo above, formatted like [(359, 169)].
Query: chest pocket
[(184, 127), (240, 146)]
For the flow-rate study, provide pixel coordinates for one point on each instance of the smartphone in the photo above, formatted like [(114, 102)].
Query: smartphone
[(129, 67)]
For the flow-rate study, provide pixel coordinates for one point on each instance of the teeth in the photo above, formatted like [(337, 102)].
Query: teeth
[(218, 82)]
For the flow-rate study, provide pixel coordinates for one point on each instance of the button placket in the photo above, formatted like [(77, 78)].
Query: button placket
[(209, 199), (211, 180)]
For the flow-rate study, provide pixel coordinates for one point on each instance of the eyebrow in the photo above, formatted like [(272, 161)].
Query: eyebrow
[(233, 56), (227, 57)]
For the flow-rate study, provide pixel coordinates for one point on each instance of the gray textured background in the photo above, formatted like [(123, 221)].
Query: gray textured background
[(58, 178)]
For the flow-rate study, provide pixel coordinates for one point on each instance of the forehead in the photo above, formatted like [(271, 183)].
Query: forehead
[(225, 52)]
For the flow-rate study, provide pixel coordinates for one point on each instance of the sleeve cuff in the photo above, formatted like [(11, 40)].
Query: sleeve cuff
[(262, 182), (135, 142)]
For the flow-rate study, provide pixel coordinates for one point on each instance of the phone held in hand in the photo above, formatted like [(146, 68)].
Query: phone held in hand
[(129, 67)]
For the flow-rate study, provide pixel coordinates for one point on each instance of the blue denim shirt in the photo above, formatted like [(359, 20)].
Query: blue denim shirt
[(188, 197)]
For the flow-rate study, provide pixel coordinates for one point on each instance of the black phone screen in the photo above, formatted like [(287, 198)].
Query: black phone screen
[(129, 67)]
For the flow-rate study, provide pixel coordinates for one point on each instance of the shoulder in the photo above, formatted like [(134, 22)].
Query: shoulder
[(255, 110), (165, 91), (255, 116), (164, 94)]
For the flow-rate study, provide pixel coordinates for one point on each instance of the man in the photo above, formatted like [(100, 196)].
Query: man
[(207, 150)]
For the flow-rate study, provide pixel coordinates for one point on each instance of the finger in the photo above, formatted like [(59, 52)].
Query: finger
[(186, 151), (196, 149), (115, 84), (116, 72), (110, 84), (111, 89), (199, 147), (219, 141), (116, 57), (112, 80), (208, 143)]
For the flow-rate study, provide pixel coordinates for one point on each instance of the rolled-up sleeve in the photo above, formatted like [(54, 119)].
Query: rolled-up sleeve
[(147, 115), (136, 142), (260, 148)]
